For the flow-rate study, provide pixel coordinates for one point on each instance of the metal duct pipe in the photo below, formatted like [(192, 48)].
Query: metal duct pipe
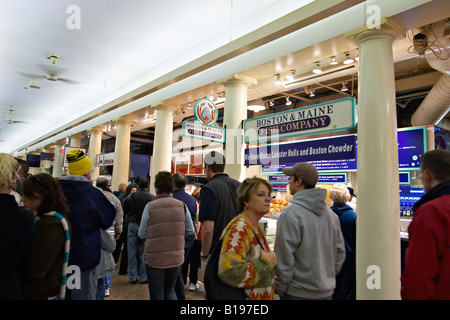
[(436, 104)]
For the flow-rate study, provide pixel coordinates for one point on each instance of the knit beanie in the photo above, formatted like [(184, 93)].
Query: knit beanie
[(79, 163)]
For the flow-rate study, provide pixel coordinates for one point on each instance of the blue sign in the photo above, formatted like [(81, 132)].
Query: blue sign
[(279, 187), (333, 178), (343, 147), (279, 179), (411, 144), (404, 177)]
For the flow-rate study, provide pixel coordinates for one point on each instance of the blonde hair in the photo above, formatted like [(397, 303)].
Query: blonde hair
[(339, 193), (9, 167), (248, 188)]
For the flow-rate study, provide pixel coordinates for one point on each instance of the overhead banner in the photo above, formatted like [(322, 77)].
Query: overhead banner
[(343, 147), (325, 117)]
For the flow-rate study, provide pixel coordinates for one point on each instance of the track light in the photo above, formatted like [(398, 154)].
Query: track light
[(317, 69), (333, 61), (288, 102), (290, 76), (348, 59), (278, 79), (312, 94), (344, 87)]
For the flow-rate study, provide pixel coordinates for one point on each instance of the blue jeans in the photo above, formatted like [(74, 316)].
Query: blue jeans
[(88, 286), (136, 264), (161, 283), (289, 297)]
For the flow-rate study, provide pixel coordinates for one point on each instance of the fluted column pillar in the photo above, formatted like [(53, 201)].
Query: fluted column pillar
[(378, 260), (95, 145), (121, 166), (235, 111), (162, 145), (58, 158), (75, 140)]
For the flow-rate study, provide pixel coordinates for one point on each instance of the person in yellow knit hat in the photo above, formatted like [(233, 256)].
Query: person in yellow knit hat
[(79, 164), (90, 211)]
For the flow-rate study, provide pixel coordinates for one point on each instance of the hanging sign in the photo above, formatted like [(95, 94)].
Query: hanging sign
[(343, 147), (325, 117), (105, 159), (204, 127)]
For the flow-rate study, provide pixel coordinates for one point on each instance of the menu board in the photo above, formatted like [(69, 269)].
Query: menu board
[(411, 145)]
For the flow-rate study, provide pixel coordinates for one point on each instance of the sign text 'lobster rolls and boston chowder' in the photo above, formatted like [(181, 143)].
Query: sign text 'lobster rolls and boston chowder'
[(204, 127)]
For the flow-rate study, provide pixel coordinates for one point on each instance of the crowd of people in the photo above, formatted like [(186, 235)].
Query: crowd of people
[(165, 240)]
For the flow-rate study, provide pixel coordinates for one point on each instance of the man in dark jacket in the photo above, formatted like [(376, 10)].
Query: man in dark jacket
[(134, 204), (427, 261), (179, 181), (218, 203), (90, 211)]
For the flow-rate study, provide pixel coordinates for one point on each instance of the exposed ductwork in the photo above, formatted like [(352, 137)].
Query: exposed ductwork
[(436, 104)]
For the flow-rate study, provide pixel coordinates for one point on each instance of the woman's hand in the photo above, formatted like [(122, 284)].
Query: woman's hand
[(271, 257)]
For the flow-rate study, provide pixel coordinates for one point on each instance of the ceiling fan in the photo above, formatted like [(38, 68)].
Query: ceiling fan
[(10, 120), (52, 76)]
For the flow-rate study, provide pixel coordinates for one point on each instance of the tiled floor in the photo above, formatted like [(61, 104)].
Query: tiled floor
[(122, 289)]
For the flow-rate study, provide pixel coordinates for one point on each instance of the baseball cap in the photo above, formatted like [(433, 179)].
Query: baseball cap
[(304, 170)]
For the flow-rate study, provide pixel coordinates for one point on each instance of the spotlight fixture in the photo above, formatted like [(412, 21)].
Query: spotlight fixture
[(317, 69), (271, 104), (189, 106), (288, 102), (278, 79), (333, 61), (311, 93), (348, 59), (290, 76), (344, 87)]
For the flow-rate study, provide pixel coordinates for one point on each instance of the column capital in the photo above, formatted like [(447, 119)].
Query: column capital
[(387, 28), (98, 129), (237, 79), (124, 120), (161, 105)]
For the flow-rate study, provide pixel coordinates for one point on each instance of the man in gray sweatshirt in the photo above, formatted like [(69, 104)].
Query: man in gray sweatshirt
[(309, 245)]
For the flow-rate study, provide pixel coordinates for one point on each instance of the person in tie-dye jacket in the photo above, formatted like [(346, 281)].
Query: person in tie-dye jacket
[(246, 260)]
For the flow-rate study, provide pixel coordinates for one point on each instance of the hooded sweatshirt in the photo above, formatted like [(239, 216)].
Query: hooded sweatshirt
[(90, 211), (309, 246)]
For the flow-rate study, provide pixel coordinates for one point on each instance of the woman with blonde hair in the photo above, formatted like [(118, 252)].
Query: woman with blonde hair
[(246, 260), (16, 233), (346, 279)]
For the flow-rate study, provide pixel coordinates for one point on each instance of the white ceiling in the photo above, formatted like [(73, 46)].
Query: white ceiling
[(121, 47), (119, 43)]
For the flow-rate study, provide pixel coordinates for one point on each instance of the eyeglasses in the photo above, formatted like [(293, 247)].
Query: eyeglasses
[(36, 179)]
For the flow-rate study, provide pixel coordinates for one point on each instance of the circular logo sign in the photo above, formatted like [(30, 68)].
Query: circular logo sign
[(206, 111)]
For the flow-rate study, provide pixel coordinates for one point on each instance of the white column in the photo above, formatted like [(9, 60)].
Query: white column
[(235, 111), (58, 158), (121, 166), (75, 140), (162, 144), (378, 231), (95, 146)]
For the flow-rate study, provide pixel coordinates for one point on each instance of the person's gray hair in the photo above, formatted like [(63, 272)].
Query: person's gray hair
[(339, 193)]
